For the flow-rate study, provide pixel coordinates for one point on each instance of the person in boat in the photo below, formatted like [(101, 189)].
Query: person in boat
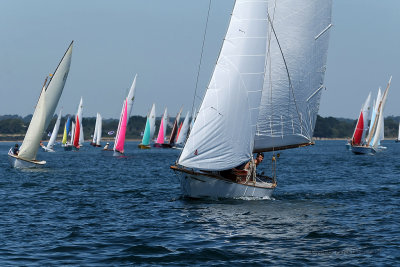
[(106, 146), (259, 158), (41, 144), (15, 149)]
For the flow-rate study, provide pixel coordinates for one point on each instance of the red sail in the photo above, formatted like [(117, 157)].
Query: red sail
[(359, 130), (77, 132)]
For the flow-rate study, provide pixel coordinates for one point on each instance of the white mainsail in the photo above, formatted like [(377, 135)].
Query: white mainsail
[(81, 138), (99, 128), (184, 130), (295, 69), (45, 108), (223, 133), (152, 120), (379, 120), (95, 129), (53, 136)]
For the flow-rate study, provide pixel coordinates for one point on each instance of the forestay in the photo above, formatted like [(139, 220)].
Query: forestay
[(296, 62), (223, 133)]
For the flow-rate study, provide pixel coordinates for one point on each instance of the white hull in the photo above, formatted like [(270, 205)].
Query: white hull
[(202, 186), (117, 154), (16, 162), (363, 150)]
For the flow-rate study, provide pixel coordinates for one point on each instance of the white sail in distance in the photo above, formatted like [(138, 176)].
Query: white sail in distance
[(152, 120), (295, 69), (99, 128), (45, 107), (184, 130), (222, 136), (53, 136)]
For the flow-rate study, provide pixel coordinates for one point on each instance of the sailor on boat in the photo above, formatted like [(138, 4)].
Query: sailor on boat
[(15, 150), (106, 146), (254, 162)]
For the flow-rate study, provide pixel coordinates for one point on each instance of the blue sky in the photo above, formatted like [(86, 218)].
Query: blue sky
[(161, 42)]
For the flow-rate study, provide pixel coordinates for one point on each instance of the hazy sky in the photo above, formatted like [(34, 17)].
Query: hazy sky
[(161, 41)]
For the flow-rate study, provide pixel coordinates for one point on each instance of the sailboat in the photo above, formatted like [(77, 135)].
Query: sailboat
[(184, 129), (77, 129), (50, 144), (44, 111), (358, 138), (123, 120), (149, 129), (162, 131), (174, 131), (97, 131), (263, 96), (376, 130)]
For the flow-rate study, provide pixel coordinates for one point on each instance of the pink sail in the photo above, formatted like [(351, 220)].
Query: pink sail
[(160, 137), (122, 130)]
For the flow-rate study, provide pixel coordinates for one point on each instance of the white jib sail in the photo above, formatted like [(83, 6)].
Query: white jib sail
[(99, 129), (379, 135), (95, 129), (79, 114), (152, 119), (72, 133), (294, 78), (47, 104), (223, 133), (184, 130), (53, 136), (34, 134), (365, 110)]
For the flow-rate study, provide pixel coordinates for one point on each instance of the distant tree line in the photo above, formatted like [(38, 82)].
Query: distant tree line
[(14, 126), (331, 127)]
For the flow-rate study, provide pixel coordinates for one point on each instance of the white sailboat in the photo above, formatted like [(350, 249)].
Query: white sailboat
[(263, 96), (50, 144), (183, 132), (398, 135), (376, 129), (97, 131), (44, 111)]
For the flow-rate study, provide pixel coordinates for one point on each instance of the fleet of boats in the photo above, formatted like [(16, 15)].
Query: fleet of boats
[(263, 96)]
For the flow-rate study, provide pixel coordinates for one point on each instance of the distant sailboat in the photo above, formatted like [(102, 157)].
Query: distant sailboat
[(398, 135), (174, 131), (78, 123), (358, 138), (50, 144), (123, 120), (149, 129), (97, 131), (183, 132), (160, 142), (263, 96), (376, 129), (44, 111)]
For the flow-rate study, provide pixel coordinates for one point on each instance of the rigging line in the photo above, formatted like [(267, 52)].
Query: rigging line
[(287, 70), (201, 55), (198, 73)]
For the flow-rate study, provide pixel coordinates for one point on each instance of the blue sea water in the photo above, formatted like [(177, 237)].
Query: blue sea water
[(88, 208)]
